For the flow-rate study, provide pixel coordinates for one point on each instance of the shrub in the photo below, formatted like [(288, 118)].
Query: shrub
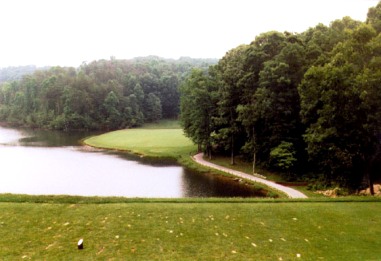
[(282, 157)]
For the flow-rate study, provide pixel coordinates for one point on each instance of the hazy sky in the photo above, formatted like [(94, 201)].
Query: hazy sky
[(69, 32)]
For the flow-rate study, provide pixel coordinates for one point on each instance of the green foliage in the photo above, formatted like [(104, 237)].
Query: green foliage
[(374, 17), (198, 106), (101, 95), (318, 90), (153, 107), (283, 156), (338, 111), (230, 71)]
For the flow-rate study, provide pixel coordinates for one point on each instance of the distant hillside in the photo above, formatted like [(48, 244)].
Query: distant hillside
[(17, 72), (14, 73)]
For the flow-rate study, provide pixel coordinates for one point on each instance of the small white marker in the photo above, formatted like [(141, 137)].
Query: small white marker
[(80, 244)]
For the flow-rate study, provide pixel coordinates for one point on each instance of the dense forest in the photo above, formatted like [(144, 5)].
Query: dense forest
[(298, 103), (105, 94)]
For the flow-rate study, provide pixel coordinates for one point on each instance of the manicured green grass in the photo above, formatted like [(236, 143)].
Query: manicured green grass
[(202, 230), (170, 143)]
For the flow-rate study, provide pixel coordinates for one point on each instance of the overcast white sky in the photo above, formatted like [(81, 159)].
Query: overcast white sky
[(69, 32)]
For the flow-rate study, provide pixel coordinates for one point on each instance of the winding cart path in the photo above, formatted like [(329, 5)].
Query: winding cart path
[(291, 193)]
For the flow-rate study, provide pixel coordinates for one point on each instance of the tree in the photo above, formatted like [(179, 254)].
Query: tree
[(230, 70), (111, 103), (198, 107), (169, 95), (132, 112), (282, 157), (153, 109), (270, 110), (327, 96), (374, 17), (334, 102)]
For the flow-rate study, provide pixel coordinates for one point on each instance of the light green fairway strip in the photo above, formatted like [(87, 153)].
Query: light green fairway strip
[(150, 142)]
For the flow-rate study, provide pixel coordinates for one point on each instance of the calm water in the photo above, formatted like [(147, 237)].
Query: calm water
[(47, 162)]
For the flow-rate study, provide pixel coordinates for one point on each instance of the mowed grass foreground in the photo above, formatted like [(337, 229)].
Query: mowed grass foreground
[(225, 230), (169, 143)]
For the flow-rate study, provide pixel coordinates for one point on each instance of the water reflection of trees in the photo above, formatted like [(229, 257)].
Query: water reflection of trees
[(197, 184)]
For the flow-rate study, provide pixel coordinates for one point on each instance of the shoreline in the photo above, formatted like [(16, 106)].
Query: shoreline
[(291, 193)]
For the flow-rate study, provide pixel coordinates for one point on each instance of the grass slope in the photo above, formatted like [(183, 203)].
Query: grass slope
[(191, 231), (150, 142)]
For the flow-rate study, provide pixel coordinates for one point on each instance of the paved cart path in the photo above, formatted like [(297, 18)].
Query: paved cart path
[(291, 193)]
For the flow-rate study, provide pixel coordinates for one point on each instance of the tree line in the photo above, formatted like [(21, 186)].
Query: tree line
[(104, 94), (298, 103)]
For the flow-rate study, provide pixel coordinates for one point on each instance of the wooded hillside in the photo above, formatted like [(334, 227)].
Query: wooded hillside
[(295, 102), (105, 94)]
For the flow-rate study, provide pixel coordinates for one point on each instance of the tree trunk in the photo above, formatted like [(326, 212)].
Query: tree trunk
[(232, 137), (232, 162), (255, 151), (370, 182), (369, 174), (254, 160)]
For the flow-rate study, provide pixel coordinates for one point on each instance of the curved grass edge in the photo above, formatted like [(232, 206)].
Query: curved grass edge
[(151, 142)]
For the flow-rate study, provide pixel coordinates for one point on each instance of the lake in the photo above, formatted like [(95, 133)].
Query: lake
[(41, 162)]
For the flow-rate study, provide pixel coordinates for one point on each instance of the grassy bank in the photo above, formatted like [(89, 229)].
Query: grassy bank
[(201, 230), (167, 143)]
